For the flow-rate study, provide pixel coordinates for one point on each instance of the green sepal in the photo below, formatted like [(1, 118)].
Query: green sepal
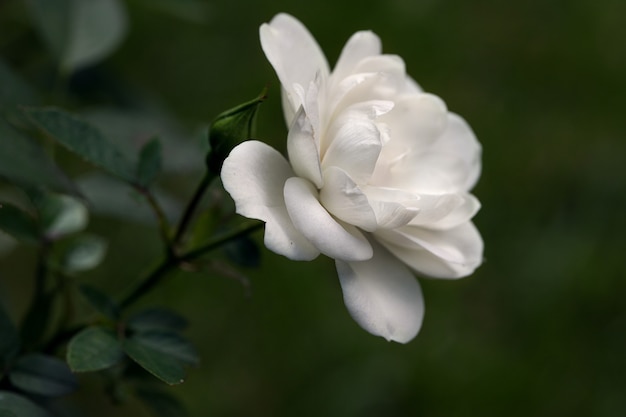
[(231, 128)]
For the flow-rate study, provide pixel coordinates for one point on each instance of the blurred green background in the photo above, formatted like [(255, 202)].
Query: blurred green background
[(538, 330)]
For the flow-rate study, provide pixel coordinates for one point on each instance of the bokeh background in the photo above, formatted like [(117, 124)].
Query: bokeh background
[(538, 330)]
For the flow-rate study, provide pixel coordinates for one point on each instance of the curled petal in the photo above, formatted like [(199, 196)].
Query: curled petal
[(343, 198), (294, 54), (319, 227), (254, 174), (303, 149), (383, 296), (451, 253)]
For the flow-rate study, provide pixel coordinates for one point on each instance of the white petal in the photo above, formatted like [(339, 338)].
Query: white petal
[(354, 147), (451, 253), (319, 227), (383, 296), (293, 52), (417, 120), (445, 211), (303, 149), (343, 198), (459, 141), (393, 208), (254, 175), (360, 45)]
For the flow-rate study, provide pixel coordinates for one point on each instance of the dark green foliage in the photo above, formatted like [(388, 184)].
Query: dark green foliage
[(13, 405), (150, 163), (9, 340), (83, 139), (19, 224), (24, 162), (100, 301), (42, 375), (94, 349)]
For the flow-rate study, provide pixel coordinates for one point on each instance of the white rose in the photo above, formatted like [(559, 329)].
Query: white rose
[(378, 177)]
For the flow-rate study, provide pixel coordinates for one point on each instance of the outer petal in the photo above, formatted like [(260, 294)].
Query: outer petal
[(360, 45), (312, 219), (303, 149), (254, 175), (293, 52), (452, 253), (383, 296), (459, 140)]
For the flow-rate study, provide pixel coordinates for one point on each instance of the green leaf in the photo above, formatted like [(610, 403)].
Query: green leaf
[(149, 163), (156, 319), (18, 223), (80, 32), (229, 129), (23, 161), (61, 214), (244, 252), (12, 404), (162, 365), (84, 140), (93, 349), (81, 253), (43, 375), (168, 343), (161, 404), (14, 89), (9, 339), (100, 301)]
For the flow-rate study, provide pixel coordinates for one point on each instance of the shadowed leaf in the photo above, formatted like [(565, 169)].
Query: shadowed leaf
[(94, 349), (43, 375)]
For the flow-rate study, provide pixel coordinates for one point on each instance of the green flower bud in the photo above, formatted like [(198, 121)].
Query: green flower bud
[(231, 128)]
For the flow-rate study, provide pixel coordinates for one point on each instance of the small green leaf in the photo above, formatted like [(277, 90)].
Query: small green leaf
[(94, 349), (229, 129), (12, 404), (97, 28), (156, 319), (100, 301), (244, 252), (43, 375), (84, 140), (61, 214), (162, 365), (23, 161), (79, 32), (149, 163), (9, 339), (170, 344), (82, 253), (19, 224), (161, 404)]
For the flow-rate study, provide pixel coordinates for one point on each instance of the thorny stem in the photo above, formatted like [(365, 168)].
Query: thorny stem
[(172, 261), (164, 226), (191, 207)]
